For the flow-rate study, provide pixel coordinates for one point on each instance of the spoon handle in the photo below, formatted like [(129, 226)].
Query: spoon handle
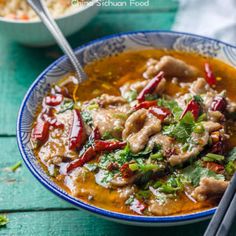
[(46, 18)]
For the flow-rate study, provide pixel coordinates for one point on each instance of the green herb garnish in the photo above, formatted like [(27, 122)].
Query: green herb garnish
[(195, 173), (172, 105), (182, 130), (87, 118), (66, 105), (3, 220), (15, 166), (131, 95), (213, 157)]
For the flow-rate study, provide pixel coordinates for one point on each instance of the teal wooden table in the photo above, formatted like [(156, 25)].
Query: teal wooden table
[(31, 209)]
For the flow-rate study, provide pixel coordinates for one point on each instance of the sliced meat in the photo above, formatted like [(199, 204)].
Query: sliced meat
[(172, 67), (199, 86), (139, 127), (209, 187), (165, 141), (107, 100), (211, 126), (109, 120), (119, 181), (201, 141), (215, 116), (126, 192), (139, 85)]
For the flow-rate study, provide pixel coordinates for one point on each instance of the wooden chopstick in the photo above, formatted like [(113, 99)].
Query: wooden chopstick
[(228, 219), (225, 212)]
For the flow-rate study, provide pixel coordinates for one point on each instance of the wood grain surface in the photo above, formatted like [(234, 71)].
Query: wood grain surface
[(31, 209)]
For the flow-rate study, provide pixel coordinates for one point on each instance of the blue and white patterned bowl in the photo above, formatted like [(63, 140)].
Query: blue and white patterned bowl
[(95, 50)]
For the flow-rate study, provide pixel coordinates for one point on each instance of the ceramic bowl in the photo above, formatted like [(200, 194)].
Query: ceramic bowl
[(96, 50), (34, 33)]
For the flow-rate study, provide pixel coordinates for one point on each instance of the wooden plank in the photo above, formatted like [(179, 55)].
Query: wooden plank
[(76, 222), (80, 223), (19, 65), (20, 190)]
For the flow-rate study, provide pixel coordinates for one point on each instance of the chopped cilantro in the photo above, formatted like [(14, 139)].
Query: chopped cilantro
[(202, 117), (16, 166), (196, 172), (232, 155), (144, 178), (87, 118), (172, 105), (92, 106), (182, 130), (172, 185), (199, 128), (130, 200), (143, 194), (151, 97), (3, 220), (157, 156), (198, 99), (107, 135), (131, 95), (66, 105), (230, 167)]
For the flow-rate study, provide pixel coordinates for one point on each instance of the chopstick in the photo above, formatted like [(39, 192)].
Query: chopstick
[(224, 216)]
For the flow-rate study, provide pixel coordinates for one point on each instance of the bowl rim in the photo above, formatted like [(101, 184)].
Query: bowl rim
[(60, 17), (196, 216)]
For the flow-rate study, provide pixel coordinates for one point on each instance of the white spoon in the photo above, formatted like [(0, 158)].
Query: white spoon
[(42, 11)]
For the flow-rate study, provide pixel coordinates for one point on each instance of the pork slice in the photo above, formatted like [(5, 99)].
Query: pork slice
[(139, 127), (126, 192), (209, 187), (199, 86), (201, 141), (172, 67), (215, 116), (165, 141), (109, 121), (119, 181), (211, 126), (110, 100)]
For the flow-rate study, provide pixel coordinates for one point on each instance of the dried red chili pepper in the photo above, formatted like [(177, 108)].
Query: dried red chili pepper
[(91, 152), (160, 112), (53, 100), (88, 155), (145, 104), (101, 145), (56, 124), (96, 135), (76, 131), (219, 104), (150, 87), (219, 169), (210, 77), (40, 131), (113, 166), (194, 107), (126, 172)]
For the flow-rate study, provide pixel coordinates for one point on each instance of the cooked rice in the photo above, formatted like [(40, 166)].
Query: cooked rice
[(20, 10)]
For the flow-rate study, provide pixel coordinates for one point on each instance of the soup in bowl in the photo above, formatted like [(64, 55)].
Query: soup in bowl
[(147, 139)]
